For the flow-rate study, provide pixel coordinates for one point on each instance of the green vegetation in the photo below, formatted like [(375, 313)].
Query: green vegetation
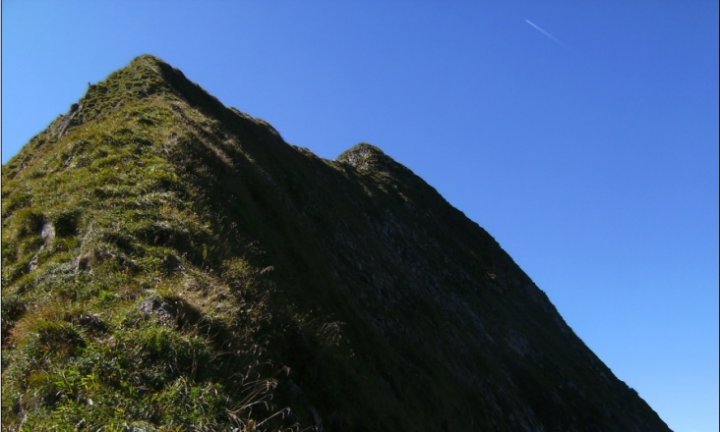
[(81, 347), (169, 264)]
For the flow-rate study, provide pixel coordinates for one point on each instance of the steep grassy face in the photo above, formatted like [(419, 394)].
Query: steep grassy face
[(117, 308), (172, 264)]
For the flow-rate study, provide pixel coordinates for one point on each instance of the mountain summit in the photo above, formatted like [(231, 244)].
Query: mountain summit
[(169, 263)]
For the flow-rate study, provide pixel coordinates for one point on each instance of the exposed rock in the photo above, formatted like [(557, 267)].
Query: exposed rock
[(92, 322), (47, 233)]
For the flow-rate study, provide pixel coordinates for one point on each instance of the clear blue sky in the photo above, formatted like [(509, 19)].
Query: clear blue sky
[(582, 135)]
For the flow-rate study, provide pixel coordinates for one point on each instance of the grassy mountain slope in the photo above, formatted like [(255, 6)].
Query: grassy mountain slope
[(172, 264)]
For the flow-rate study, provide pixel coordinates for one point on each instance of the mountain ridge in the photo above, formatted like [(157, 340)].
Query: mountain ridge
[(350, 290)]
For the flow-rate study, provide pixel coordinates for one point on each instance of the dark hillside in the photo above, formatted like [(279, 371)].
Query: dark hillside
[(169, 263)]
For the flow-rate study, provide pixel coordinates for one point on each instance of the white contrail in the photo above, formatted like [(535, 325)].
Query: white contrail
[(541, 30)]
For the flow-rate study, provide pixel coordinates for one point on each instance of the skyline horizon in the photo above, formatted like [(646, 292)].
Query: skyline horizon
[(606, 196)]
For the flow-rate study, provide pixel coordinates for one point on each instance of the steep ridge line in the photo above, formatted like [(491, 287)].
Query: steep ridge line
[(205, 274)]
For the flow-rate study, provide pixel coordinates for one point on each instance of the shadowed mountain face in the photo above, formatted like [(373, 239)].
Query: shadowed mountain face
[(172, 264)]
